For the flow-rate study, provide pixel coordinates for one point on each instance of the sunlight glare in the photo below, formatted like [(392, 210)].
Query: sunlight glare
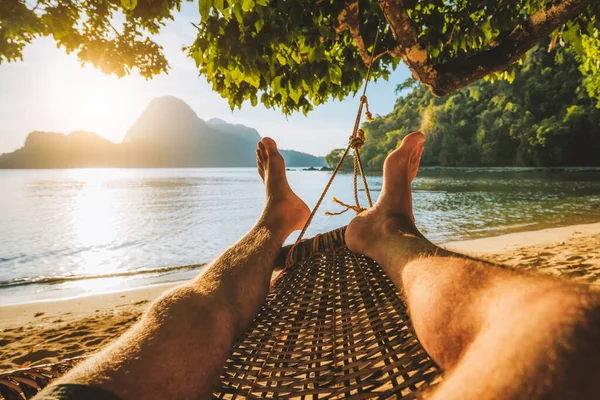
[(86, 99), (94, 218), (99, 286)]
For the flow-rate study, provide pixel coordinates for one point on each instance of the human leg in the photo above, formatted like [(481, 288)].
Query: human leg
[(496, 332), (177, 349)]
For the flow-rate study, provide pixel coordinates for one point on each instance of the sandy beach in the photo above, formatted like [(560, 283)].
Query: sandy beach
[(43, 332)]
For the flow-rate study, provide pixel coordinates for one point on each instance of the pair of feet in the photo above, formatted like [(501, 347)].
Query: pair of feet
[(392, 214)]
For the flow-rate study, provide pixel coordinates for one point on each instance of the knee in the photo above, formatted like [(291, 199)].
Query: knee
[(438, 279), (444, 297), (438, 298)]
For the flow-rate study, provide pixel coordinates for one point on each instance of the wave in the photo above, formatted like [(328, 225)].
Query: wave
[(66, 251), (52, 280)]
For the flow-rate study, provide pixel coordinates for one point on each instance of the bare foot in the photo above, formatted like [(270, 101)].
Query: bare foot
[(392, 214), (284, 211)]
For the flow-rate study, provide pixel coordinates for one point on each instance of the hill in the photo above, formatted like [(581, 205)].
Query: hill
[(544, 118), (167, 134)]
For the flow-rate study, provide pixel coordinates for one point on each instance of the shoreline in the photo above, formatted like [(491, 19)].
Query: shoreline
[(501, 236), (514, 240), (480, 247), (49, 330)]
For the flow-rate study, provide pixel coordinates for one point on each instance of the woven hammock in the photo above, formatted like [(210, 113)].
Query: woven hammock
[(333, 326)]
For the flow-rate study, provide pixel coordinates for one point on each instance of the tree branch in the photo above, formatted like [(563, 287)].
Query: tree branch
[(408, 47), (503, 53), (349, 19), (455, 74)]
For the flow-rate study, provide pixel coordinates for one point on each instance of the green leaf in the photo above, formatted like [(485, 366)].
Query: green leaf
[(316, 54), (259, 24), (276, 84), (219, 5), (204, 7), (296, 57), (247, 5), (237, 11), (253, 80), (294, 94), (129, 4), (335, 74), (282, 60)]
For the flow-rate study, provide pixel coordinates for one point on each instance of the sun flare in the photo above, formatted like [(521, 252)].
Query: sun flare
[(94, 215), (86, 99)]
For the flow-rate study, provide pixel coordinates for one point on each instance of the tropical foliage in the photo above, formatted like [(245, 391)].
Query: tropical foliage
[(545, 118), (295, 54)]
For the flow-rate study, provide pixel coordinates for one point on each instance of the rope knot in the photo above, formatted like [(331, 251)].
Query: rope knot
[(368, 113), (357, 141), (347, 207)]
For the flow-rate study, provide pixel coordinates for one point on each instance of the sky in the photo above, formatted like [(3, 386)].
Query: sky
[(50, 91)]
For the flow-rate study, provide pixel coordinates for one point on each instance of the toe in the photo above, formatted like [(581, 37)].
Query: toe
[(262, 152), (405, 153), (261, 168), (259, 158), (413, 140), (415, 161), (273, 161), (270, 146)]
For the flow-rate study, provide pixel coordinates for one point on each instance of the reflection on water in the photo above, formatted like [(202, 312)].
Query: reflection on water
[(79, 223), (94, 219), (453, 205)]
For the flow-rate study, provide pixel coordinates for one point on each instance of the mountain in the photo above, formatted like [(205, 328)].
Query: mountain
[(167, 134), (240, 131), (55, 150)]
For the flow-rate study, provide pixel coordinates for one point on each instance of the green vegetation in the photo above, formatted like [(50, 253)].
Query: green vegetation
[(295, 54), (333, 158), (544, 118)]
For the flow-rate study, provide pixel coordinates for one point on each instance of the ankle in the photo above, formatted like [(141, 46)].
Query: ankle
[(281, 218), (397, 224), (275, 228)]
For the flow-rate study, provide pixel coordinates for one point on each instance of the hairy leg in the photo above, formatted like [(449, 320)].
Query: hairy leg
[(496, 332), (177, 349)]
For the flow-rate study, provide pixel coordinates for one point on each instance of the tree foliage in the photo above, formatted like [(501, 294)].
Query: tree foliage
[(545, 118), (295, 54), (300, 53), (333, 158), (113, 35)]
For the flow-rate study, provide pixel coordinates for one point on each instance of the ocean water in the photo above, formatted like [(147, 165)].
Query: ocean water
[(66, 233)]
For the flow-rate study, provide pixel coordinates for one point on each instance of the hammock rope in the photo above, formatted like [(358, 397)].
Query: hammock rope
[(333, 325), (356, 141)]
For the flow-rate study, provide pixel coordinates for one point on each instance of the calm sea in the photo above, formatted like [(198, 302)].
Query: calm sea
[(66, 233)]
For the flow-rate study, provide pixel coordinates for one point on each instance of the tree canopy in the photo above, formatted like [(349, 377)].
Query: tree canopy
[(545, 118), (295, 54)]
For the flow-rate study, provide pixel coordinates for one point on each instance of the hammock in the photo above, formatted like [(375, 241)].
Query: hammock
[(333, 324)]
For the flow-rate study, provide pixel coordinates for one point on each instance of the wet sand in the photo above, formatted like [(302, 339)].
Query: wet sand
[(43, 332)]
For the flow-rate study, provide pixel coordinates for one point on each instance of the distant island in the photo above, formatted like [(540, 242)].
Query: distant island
[(168, 134)]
